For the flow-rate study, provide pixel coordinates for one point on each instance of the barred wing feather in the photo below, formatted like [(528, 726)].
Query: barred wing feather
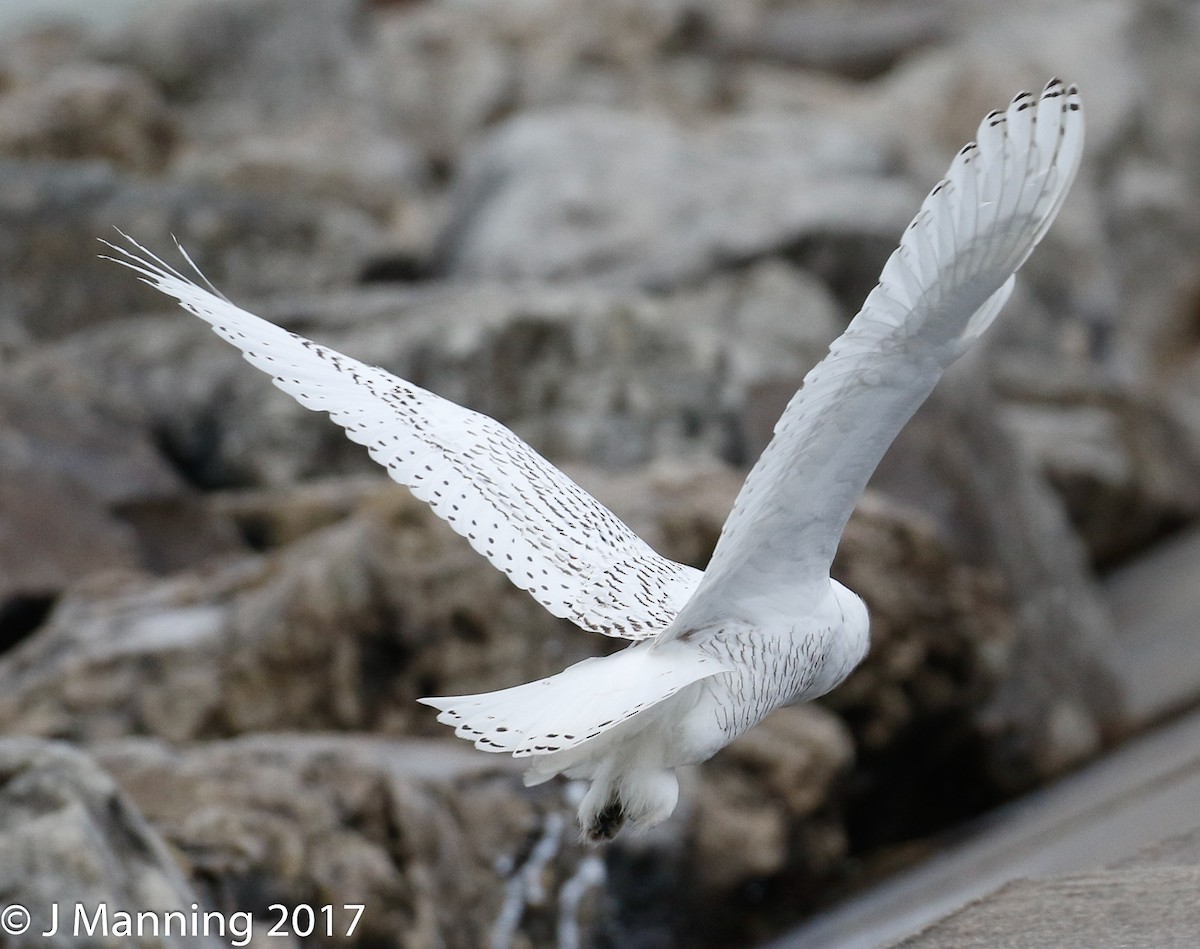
[(549, 536), (938, 292)]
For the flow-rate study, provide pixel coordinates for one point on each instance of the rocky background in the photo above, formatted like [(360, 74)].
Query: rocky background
[(626, 229)]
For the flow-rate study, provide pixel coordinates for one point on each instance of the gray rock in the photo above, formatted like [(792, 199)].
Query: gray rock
[(331, 157), (855, 40), (88, 111), (77, 484), (429, 838), (1107, 909), (53, 283), (445, 73), (1178, 850), (86, 491), (54, 528), (71, 838), (342, 630), (635, 199), (446, 847), (450, 72), (1058, 701), (29, 54), (278, 98), (1155, 602), (1134, 807), (766, 812), (240, 65), (1122, 466), (602, 376)]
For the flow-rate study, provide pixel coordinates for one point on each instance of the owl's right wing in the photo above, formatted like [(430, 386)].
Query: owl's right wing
[(552, 538), (939, 291)]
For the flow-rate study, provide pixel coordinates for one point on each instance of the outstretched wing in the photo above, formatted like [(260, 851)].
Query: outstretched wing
[(552, 538), (939, 291)]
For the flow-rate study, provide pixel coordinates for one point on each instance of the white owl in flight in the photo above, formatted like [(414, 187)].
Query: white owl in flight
[(712, 653)]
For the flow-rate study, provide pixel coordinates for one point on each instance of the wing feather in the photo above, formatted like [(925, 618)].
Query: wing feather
[(549, 536), (938, 291)]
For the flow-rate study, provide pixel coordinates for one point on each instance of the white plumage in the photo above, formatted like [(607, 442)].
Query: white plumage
[(764, 625)]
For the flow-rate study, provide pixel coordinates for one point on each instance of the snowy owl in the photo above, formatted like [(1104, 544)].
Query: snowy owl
[(764, 625)]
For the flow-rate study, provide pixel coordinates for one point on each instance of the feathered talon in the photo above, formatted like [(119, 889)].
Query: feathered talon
[(607, 824)]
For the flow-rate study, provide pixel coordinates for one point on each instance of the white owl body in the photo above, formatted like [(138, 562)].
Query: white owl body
[(764, 625), (750, 669), (790, 660)]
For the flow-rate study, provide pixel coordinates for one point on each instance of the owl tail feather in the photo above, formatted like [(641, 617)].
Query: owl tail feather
[(560, 714)]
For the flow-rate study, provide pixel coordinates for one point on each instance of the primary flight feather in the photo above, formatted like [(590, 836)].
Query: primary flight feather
[(764, 625)]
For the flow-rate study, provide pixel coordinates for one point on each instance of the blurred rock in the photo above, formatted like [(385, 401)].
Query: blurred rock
[(333, 160), (594, 375), (1058, 700), (857, 40), (942, 639), (88, 111), (342, 630), (242, 65), (52, 282), (445, 845), (1107, 909), (278, 98), (430, 838), (766, 815), (1122, 465), (57, 522), (30, 54), (78, 484), (73, 478), (71, 838), (1155, 601), (451, 71), (632, 198)]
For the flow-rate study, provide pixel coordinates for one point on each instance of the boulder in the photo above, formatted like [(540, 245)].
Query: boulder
[(88, 111), (52, 215), (1058, 699), (235, 66), (635, 199), (434, 842), (71, 838), (444, 845), (603, 376), (450, 72), (79, 487), (344, 629), (766, 817), (1126, 470), (277, 98), (77, 484)]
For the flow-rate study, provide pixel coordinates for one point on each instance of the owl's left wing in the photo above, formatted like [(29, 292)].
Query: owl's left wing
[(552, 538), (939, 291)]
